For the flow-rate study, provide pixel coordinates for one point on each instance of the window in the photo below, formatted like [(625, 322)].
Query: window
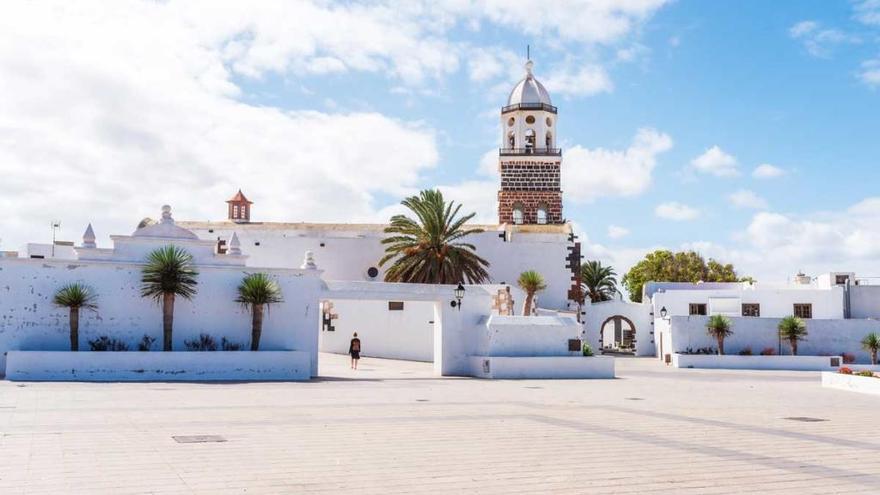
[(511, 140), (372, 272), (697, 309), (803, 310), (549, 122), (542, 214), (530, 139), (841, 279), (395, 305), (753, 310), (530, 119), (234, 211), (510, 122), (517, 214), (548, 141)]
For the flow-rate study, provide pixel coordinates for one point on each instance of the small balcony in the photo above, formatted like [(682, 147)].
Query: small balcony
[(529, 106), (530, 151)]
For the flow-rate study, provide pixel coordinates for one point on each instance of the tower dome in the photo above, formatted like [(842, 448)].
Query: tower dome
[(529, 91)]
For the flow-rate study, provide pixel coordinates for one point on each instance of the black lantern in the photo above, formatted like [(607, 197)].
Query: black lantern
[(663, 312), (459, 294)]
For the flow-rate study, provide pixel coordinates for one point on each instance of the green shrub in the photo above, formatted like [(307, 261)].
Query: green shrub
[(588, 351), (865, 373), (204, 343)]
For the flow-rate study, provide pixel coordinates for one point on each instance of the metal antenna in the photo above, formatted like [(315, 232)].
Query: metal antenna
[(528, 53)]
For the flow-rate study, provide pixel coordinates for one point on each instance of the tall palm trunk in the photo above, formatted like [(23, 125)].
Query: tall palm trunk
[(74, 329), (527, 306), (793, 346), (720, 345), (257, 328), (167, 320), (874, 357)]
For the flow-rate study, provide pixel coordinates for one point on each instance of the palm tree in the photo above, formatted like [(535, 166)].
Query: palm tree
[(871, 343), (532, 282), (429, 249), (257, 292), (75, 296), (718, 326), (794, 329), (168, 273), (599, 282)]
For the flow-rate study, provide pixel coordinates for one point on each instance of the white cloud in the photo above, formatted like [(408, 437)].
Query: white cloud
[(617, 232), (767, 171), (589, 174), (717, 162), (123, 107), (868, 12), (678, 212), (585, 81), (745, 198), (818, 41), (870, 74)]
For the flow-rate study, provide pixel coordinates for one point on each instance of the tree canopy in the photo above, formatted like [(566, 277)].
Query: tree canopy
[(684, 266)]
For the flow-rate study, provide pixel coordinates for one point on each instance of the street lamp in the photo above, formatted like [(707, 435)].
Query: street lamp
[(459, 294), (663, 312)]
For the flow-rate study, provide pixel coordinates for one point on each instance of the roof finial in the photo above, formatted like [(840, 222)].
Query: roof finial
[(89, 238), (528, 52)]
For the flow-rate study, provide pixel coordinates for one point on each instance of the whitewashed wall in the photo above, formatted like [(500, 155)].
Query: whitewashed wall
[(865, 301), (638, 313), (347, 253), (29, 320), (512, 336), (826, 337), (406, 334), (775, 303)]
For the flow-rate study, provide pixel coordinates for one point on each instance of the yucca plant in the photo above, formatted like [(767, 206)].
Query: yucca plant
[(531, 282), (794, 330), (169, 273), (429, 249), (718, 327), (871, 343), (257, 292), (74, 297)]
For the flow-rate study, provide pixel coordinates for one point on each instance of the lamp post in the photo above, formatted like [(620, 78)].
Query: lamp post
[(459, 294), (663, 312), (56, 224)]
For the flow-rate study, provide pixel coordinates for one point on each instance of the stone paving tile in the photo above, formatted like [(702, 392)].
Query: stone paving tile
[(393, 428)]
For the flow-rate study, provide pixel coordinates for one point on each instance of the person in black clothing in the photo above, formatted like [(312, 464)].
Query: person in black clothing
[(355, 350)]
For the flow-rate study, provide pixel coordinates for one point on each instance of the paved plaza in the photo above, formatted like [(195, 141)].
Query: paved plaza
[(391, 427)]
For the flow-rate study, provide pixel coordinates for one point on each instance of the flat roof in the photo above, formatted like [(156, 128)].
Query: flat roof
[(563, 228)]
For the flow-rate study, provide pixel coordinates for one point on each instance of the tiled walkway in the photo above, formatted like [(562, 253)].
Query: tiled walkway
[(391, 427)]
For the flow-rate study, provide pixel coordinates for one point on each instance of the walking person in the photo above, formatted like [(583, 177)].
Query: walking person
[(354, 348)]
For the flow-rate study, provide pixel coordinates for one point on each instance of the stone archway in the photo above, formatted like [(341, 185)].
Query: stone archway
[(622, 335)]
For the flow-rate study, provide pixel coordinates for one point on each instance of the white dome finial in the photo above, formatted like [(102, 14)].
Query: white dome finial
[(89, 238), (234, 245), (309, 262), (166, 214)]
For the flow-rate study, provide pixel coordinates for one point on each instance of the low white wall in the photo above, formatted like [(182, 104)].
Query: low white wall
[(825, 337), (399, 334), (542, 367), (29, 320), (528, 336), (158, 366), (792, 363), (853, 383)]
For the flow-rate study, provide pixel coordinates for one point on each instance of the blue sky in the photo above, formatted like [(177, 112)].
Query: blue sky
[(332, 112)]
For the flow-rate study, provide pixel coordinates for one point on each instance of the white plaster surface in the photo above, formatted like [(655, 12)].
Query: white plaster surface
[(157, 366), (734, 362), (852, 383), (511, 336), (638, 313), (542, 367)]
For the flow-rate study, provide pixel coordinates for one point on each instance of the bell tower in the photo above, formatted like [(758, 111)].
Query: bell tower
[(239, 208), (529, 161)]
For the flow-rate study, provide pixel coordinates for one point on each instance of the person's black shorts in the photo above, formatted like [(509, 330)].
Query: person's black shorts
[(355, 354)]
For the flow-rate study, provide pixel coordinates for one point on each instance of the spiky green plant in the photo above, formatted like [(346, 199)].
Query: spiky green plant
[(75, 296), (794, 330), (598, 282), (871, 343), (718, 327), (169, 273), (256, 292), (429, 248), (531, 282)]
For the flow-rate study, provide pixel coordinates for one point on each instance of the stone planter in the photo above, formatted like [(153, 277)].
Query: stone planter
[(736, 362), (853, 383)]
